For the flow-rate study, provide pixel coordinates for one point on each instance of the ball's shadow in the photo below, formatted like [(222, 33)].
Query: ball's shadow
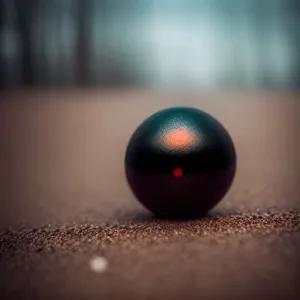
[(147, 217)]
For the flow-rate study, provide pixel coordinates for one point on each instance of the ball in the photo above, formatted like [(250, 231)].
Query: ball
[(180, 162)]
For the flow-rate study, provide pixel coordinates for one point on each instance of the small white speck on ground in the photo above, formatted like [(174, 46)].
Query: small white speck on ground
[(99, 264)]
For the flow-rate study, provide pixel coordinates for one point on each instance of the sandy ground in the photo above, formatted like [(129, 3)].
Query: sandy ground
[(65, 201)]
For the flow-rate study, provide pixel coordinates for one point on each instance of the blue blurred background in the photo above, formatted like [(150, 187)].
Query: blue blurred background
[(161, 43)]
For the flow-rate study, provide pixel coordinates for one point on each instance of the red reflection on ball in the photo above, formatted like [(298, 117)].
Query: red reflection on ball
[(177, 172)]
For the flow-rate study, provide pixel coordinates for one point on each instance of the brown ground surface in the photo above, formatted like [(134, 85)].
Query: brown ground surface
[(64, 200)]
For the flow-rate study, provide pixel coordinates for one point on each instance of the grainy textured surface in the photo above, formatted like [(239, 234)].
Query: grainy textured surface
[(64, 201)]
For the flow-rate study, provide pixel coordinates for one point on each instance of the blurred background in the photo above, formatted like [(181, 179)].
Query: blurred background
[(161, 43)]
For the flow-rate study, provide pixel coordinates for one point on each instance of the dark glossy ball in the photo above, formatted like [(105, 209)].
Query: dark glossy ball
[(180, 162)]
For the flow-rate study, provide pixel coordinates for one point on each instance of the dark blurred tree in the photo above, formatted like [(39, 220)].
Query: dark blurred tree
[(43, 8), (83, 41), (25, 18), (2, 74)]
